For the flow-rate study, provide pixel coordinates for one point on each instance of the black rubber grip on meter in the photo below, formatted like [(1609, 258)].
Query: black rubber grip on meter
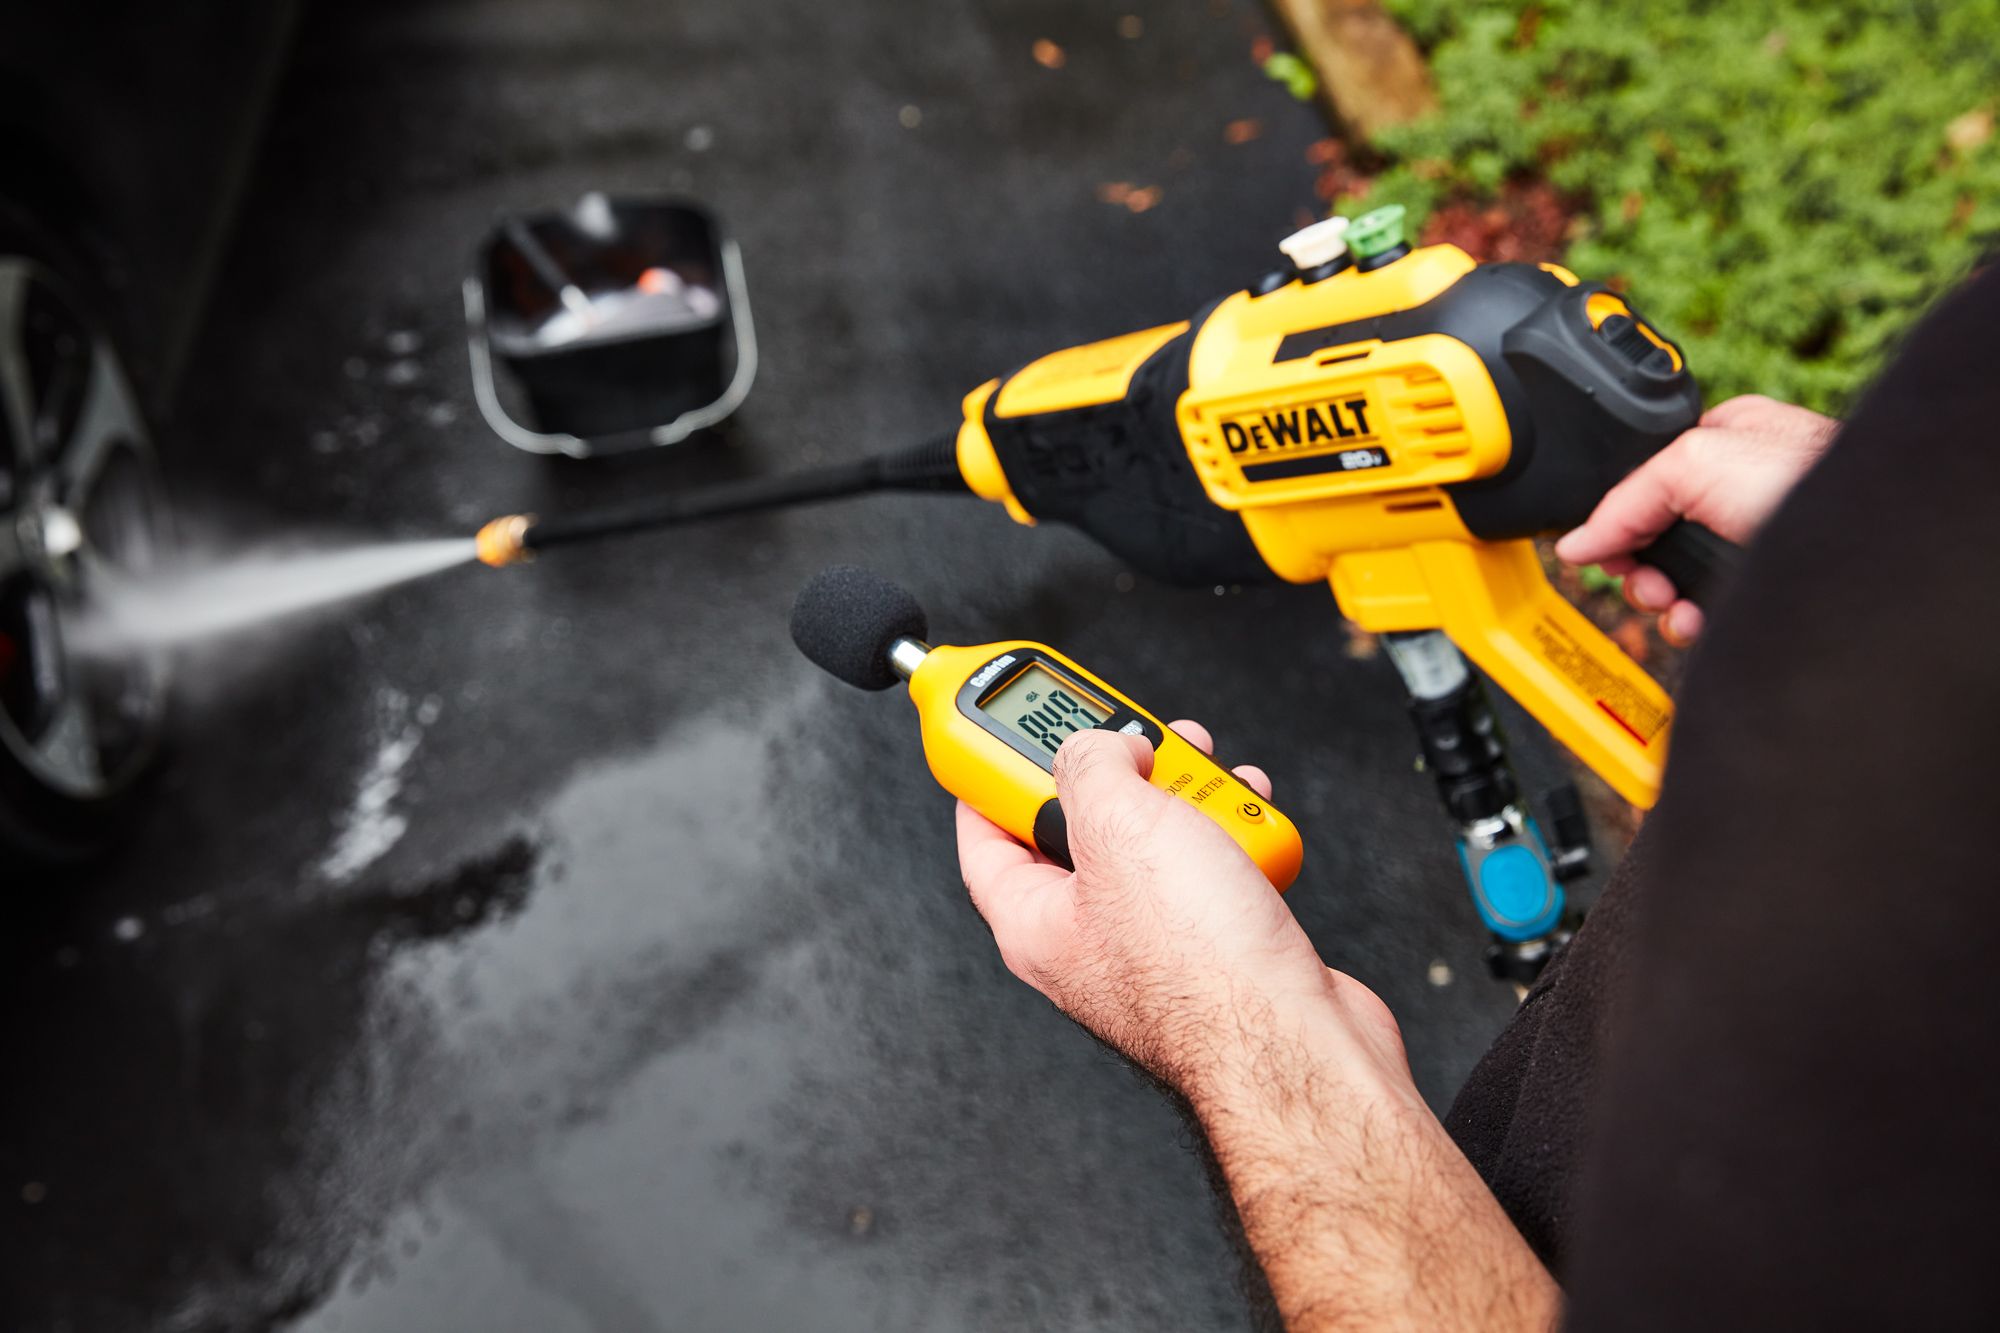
[(1700, 563), (1052, 833)]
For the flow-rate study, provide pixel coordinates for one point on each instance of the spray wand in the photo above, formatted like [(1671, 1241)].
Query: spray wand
[(931, 466)]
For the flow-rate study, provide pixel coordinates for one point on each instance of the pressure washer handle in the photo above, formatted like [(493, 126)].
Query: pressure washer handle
[(1700, 563)]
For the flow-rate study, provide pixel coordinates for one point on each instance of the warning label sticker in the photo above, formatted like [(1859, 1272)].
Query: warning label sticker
[(1604, 686)]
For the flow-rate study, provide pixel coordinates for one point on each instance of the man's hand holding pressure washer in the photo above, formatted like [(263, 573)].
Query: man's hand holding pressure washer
[(1169, 945)]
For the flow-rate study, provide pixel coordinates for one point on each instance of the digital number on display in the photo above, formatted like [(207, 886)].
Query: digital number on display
[(1060, 717), (1044, 708)]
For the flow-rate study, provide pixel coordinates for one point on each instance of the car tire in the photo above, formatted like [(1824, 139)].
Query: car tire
[(80, 502)]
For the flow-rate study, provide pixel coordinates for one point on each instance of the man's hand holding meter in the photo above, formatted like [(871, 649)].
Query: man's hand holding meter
[(1141, 954), (1167, 943)]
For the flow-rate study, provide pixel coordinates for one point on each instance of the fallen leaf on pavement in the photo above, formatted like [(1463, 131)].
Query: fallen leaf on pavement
[(1342, 182), (1048, 55), (1295, 74), (1242, 131)]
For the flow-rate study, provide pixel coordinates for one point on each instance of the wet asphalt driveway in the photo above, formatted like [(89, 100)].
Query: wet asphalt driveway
[(555, 949)]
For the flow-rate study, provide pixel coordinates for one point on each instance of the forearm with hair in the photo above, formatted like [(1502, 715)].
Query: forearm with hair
[(1357, 1204)]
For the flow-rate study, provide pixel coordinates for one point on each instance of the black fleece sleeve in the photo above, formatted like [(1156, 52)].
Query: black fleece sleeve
[(1800, 1121)]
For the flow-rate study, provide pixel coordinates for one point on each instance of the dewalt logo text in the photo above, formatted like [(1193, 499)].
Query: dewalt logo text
[(1299, 427)]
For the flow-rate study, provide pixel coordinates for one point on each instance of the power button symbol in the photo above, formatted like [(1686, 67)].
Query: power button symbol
[(1251, 811)]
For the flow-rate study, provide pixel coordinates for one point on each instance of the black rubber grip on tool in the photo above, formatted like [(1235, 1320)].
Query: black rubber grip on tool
[(1700, 563), (1121, 472)]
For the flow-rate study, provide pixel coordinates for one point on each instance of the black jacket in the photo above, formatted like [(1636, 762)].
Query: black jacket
[(1760, 1090)]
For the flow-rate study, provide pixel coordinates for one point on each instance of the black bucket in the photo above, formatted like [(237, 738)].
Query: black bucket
[(621, 323)]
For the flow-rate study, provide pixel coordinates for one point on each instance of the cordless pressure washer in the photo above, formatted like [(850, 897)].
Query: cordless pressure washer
[(1397, 421)]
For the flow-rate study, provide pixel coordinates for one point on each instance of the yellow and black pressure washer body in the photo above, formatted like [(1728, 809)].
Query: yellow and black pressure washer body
[(1401, 428)]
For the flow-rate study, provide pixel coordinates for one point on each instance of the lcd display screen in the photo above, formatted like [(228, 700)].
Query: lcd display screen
[(1044, 708)]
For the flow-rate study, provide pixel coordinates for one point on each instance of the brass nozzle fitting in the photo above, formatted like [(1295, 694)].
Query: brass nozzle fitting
[(503, 541)]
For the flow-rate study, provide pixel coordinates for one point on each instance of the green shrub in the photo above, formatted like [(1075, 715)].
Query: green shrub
[(1783, 187)]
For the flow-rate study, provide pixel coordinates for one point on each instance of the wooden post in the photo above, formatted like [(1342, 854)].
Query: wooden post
[(1371, 75)]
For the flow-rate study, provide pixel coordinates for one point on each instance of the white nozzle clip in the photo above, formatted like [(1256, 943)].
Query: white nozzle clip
[(1321, 243)]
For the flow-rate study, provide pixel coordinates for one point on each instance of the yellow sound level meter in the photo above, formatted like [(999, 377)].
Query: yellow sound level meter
[(994, 715)]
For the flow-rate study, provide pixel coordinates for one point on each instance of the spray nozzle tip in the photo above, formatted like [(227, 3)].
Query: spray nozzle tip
[(504, 540)]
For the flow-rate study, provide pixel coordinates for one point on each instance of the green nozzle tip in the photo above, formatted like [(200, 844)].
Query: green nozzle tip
[(1376, 232)]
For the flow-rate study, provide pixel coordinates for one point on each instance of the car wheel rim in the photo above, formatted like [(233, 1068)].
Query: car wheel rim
[(80, 503)]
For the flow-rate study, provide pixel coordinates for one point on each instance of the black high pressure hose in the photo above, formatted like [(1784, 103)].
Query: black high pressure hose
[(931, 466)]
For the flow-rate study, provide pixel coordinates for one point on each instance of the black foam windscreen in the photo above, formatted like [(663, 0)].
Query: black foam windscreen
[(846, 617)]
